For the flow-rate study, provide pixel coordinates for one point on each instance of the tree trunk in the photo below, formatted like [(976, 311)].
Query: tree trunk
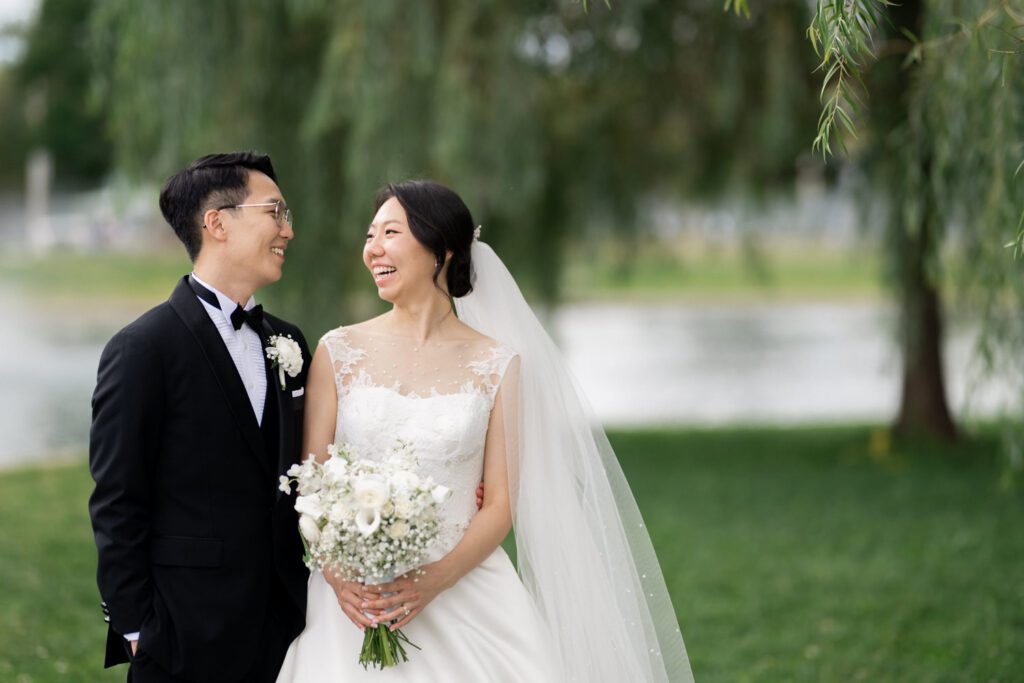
[(923, 404), (901, 164)]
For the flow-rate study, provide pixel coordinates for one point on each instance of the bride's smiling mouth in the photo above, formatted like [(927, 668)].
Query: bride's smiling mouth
[(383, 274)]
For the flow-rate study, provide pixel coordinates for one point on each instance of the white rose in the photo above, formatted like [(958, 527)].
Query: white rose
[(310, 531), (367, 520), (440, 493), (387, 509), (404, 508), (370, 491), (398, 530), (310, 505)]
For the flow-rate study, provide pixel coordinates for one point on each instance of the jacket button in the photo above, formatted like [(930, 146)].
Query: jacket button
[(106, 619)]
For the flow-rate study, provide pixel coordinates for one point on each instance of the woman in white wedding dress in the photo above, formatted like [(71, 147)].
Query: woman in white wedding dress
[(588, 602)]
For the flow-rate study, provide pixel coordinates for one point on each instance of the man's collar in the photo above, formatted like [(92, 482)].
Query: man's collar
[(227, 306)]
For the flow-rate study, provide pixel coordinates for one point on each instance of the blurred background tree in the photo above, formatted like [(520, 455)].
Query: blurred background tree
[(551, 121), (941, 115), (48, 96)]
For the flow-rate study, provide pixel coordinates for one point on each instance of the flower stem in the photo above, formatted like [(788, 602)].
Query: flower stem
[(382, 647)]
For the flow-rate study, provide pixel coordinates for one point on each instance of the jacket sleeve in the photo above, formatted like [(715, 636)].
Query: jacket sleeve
[(307, 357), (126, 409)]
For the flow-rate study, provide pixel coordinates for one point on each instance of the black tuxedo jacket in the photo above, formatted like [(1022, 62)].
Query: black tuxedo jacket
[(196, 545)]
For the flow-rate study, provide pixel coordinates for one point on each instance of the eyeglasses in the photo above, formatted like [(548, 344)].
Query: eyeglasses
[(282, 214)]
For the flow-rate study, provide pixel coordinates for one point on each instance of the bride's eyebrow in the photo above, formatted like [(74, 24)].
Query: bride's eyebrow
[(393, 220)]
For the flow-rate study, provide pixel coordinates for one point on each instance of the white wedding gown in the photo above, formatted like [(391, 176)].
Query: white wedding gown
[(438, 398)]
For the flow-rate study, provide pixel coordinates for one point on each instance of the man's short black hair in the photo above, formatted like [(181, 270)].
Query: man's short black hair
[(209, 182)]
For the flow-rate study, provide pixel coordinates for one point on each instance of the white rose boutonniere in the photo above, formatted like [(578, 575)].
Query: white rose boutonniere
[(285, 355)]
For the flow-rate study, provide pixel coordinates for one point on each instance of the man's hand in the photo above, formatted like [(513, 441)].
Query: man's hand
[(480, 496)]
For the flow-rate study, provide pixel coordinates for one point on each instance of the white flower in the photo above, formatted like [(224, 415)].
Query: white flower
[(405, 480), (309, 505), (339, 512), (404, 508), (398, 530), (336, 465), (285, 354), (309, 529), (367, 520), (284, 484), (440, 493), (370, 491)]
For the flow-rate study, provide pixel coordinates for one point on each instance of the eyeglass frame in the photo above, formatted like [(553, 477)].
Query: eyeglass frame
[(277, 204)]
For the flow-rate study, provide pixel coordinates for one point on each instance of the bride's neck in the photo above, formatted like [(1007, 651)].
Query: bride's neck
[(423, 321)]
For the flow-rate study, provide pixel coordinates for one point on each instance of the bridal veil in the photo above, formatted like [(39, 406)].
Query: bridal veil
[(583, 551)]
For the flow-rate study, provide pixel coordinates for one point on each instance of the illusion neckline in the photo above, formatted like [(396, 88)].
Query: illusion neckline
[(470, 391)]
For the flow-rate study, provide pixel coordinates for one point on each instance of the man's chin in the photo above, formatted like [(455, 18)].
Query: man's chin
[(275, 274)]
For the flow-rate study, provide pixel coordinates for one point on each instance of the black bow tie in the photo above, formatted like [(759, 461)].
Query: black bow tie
[(254, 317)]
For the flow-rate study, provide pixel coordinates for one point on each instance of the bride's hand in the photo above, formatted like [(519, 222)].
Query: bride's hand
[(412, 593), (350, 597)]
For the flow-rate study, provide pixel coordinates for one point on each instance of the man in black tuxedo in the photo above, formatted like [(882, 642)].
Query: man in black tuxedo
[(200, 562)]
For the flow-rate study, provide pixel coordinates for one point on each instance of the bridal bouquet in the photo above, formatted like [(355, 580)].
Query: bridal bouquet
[(367, 521)]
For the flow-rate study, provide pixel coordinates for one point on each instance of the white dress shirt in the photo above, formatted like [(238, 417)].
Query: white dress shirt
[(246, 351), (243, 344)]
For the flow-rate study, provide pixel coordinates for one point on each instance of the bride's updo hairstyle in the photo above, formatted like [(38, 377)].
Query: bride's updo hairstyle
[(441, 222)]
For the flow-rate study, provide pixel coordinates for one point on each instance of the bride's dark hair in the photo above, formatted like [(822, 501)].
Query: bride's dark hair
[(441, 222)]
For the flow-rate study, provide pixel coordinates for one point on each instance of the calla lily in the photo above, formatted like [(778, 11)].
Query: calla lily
[(367, 520)]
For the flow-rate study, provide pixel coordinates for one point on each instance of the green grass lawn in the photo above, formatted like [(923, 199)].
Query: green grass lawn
[(793, 272), (799, 273), (112, 277), (791, 555)]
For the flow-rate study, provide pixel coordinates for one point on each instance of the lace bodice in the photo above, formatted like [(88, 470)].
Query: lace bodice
[(436, 397)]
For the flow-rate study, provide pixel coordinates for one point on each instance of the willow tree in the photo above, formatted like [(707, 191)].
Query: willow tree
[(344, 96), (544, 116), (936, 90)]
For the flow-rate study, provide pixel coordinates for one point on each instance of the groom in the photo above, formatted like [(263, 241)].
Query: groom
[(200, 563)]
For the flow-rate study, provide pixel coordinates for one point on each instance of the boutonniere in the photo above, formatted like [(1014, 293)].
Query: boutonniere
[(285, 355)]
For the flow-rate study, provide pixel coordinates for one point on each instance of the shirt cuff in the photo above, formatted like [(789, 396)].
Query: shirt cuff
[(131, 636)]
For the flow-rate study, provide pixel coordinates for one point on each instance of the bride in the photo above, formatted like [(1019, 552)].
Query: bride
[(461, 369)]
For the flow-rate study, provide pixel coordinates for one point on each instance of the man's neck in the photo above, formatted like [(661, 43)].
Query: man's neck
[(237, 289)]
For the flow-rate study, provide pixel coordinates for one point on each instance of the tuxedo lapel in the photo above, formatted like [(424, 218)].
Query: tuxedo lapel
[(284, 408), (193, 314)]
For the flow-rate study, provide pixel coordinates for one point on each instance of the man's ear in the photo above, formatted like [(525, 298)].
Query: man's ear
[(213, 225)]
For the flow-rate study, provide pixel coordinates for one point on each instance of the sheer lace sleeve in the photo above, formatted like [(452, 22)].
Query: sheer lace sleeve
[(344, 356), (492, 368)]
